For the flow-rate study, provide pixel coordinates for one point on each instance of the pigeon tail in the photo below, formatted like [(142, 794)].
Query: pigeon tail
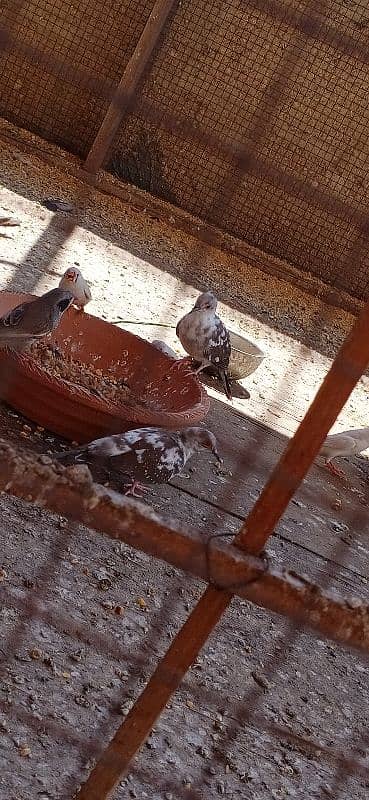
[(226, 383)]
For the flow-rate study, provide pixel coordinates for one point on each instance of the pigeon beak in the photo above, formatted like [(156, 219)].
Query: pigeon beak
[(217, 456)]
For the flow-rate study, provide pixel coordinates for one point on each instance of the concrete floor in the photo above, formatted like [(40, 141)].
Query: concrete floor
[(268, 710)]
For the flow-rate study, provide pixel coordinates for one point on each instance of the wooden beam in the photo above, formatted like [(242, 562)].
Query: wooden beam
[(72, 493), (128, 84), (202, 231)]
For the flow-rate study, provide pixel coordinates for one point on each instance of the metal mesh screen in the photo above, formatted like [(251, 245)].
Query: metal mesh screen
[(62, 63), (265, 99), (287, 83)]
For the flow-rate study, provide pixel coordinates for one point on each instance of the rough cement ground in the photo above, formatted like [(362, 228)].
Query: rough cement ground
[(266, 712)]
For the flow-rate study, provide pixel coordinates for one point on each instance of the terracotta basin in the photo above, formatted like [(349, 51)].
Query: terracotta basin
[(173, 400)]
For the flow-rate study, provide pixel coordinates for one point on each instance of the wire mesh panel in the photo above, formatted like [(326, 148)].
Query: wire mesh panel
[(264, 100), (286, 84), (62, 61)]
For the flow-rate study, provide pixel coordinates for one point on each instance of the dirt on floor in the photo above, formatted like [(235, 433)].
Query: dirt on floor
[(267, 711)]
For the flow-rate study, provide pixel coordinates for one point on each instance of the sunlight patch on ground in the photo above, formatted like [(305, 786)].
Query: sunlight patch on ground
[(131, 288)]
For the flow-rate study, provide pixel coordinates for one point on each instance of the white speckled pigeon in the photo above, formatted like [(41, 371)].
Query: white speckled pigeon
[(154, 455), (206, 339), (33, 319), (347, 443), (74, 281)]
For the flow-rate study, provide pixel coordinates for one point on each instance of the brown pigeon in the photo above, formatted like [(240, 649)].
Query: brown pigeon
[(206, 339), (154, 455), (33, 319)]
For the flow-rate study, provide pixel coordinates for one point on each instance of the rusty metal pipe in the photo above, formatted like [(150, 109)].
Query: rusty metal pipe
[(72, 492)]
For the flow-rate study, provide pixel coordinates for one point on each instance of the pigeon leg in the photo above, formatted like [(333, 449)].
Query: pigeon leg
[(134, 488), (200, 368), (336, 471), (182, 362)]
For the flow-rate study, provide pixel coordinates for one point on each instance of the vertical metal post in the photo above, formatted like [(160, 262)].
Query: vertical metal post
[(128, 84)]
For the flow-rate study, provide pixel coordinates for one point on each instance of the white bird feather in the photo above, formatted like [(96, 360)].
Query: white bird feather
[(74, 282), (346, 443)]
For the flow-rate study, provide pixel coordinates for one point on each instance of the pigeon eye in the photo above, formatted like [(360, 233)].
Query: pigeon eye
[(14, 317), (64, 304)]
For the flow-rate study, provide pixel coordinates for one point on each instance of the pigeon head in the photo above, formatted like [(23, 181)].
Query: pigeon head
[(201, 437), (206, 302), (72, 275), (37, 317)]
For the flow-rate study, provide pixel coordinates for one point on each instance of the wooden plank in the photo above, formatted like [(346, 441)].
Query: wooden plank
[(198, 229), (346, 369), (347, 574), (215, 237), (128, 84)]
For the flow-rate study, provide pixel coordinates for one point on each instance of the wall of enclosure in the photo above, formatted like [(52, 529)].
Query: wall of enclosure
[(252, 115)]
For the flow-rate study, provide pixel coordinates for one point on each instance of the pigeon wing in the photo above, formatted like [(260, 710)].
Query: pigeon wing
[(217, 349), (339, 444), (14, 317), (155, 456)]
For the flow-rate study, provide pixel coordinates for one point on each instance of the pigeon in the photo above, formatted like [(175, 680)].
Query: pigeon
[(206, 339), (164, 348), (347, 443), (152, 454), (33, 319), (74, 282)]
